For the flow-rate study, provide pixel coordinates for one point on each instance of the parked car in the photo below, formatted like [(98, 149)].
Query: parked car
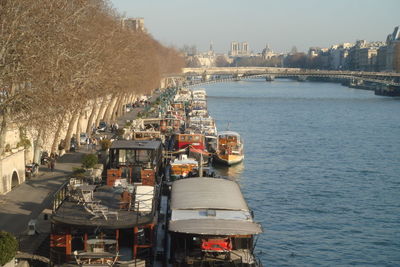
[(83, 138), (102, 126), (128, 107)]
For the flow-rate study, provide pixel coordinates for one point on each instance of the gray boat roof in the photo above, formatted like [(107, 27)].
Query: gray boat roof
[(215, 227), (207, 193), (136, 144)]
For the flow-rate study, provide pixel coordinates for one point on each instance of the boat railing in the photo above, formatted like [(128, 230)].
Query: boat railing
[(60, 195), (142, 206)]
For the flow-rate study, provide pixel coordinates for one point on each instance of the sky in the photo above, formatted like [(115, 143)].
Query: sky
[(281, 24)]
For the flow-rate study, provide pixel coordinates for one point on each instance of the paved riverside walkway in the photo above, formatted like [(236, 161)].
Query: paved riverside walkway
[(28, 200)]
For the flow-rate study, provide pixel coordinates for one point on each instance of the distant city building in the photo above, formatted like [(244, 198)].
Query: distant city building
[(393, 51), (239, 49), (135, 24), (205, 59), (314, 51), (267, 53), (364, 56), (381, 58), (338, 55), (368, 58)]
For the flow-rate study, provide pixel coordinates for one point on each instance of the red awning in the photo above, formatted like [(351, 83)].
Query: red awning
[(198, 151)]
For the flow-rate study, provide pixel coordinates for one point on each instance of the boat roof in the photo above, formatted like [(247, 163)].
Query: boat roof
[(228, 133), (184, 161), (215, 227), (136, 144), (207, 193), (210, 206), (197, 118)]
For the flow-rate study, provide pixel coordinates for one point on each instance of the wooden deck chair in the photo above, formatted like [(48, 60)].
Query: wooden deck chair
[(97, 213), (78, 261), (97, 210)]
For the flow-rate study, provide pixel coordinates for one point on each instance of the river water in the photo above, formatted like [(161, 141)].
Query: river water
[(321, 169)]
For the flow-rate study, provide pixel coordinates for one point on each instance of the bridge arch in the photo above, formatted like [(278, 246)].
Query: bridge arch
[(14, 179)]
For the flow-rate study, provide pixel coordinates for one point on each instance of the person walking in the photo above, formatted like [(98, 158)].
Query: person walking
[(94, 143), (52, 163), (88, 143)]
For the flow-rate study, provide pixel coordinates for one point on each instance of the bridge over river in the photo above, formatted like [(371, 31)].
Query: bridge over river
[(215, 73), (384, 83)]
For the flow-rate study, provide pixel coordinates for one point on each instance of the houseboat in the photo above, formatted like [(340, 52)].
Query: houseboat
[(199, 94), (135, 161), (112, 224), (164, 125), (146, 135), (183, 167), (210, 224), (192, 144), (195, 140), (229, 148), (199, 105), (204, 125)]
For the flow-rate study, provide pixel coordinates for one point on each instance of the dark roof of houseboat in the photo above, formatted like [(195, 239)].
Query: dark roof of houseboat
[(207, 193), (136, 144), (215, 227)]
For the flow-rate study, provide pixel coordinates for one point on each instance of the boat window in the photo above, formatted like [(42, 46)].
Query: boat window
[(125, 171), (130, 156), (190, 138), (144, 155), (196, 138), (182, 138), (122, 156)]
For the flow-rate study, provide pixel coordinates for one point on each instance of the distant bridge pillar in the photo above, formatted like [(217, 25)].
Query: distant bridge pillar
[(269, 78), (302, 78), (205, 77)]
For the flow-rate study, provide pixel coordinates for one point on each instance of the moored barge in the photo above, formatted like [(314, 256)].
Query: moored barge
[(210, 224), (112, 224)]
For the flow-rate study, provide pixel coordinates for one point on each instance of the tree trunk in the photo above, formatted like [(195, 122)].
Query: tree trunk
[(91, 125), (79, 129), (57, 135), (116, 109), (133, 98), (3, 131), (110, 107), (38, 146), (122, 110), (124, 103), (71, 127), (101, 111)]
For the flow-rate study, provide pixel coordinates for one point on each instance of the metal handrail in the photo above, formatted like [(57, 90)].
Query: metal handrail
[(60, 195)]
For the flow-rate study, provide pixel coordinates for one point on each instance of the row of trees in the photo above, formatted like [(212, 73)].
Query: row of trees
[(61, 58)]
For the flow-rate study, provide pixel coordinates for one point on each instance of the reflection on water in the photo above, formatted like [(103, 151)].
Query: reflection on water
[(232, 173)]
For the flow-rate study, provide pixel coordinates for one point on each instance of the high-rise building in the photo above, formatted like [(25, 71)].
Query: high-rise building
[(135, 24)]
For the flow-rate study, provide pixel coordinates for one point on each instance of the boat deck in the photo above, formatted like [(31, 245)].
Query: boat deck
[(111, 216), (235, 256)]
